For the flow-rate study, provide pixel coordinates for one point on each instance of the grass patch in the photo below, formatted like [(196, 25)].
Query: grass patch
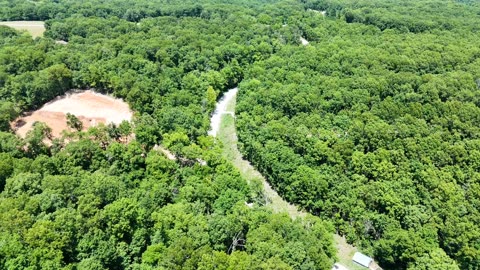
[(35, 28), (345, 253), (228, 137)]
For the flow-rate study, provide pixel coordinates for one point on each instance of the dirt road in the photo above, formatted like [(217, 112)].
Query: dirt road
[(225, 131)]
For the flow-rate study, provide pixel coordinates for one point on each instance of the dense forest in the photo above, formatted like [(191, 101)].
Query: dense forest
[(89, 201), (373, 128), (376, 129)]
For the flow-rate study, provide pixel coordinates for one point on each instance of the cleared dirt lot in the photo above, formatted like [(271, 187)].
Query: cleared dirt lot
[(90, 107), (35, 28)]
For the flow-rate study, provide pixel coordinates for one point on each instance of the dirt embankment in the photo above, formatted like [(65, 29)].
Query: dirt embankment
[(88, 106)]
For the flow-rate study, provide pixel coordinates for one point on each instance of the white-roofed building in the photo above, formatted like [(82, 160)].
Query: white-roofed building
[(362, 259)]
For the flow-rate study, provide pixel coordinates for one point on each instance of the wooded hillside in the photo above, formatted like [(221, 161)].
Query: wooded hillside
[(90, 201), (373, 127), (376, 130)]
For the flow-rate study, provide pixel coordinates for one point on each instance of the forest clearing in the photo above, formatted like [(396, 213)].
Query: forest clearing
[(89, 107), (35, 28)]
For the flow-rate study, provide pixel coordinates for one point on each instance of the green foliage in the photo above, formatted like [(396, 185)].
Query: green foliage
[(6, 168), (8, 112), (211, 97), (36, 138), (11, 144), (374, 125), (436, 259), (413, 16), (74, 122), (107, 198), (114, 208)]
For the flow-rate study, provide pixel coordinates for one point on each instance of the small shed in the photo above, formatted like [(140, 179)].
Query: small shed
[(362, 259)]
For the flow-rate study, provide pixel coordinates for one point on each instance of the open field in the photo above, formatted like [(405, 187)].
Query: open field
[(91, 108), (35, 28)]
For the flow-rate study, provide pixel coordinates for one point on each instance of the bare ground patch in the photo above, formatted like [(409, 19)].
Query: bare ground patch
[(89, 107)]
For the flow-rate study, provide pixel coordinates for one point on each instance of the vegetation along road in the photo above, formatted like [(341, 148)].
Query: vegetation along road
[(223, 127)]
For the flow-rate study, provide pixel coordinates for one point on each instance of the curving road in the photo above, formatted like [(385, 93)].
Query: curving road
[(224, 128)]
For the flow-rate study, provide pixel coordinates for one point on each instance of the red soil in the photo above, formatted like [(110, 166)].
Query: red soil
[(89, 107)]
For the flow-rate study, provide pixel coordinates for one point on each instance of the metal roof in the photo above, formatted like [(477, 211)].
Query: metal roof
[(362, 259)]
